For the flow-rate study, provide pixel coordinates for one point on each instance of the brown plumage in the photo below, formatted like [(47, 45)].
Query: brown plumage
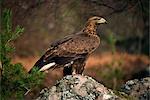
[(72, 51)]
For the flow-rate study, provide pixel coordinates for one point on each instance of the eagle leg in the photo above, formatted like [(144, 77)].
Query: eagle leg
[(79, 65), (67, 70), (76, 68)]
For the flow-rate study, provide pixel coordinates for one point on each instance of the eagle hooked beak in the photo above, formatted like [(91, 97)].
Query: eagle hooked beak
[(102, 21)]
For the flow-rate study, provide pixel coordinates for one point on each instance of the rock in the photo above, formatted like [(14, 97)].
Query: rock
[(138, 89), (77, 87)]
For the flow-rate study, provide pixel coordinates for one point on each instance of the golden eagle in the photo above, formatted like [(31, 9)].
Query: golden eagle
[(72, 51)]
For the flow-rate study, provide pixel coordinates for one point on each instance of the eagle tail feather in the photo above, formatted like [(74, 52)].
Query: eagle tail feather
[(48, 66), (42, 66)]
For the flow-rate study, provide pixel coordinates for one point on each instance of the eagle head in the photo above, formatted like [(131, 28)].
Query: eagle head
[(97, 20), (91, 25)]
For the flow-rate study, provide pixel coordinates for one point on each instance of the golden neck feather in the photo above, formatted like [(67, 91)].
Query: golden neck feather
[(90, 28)]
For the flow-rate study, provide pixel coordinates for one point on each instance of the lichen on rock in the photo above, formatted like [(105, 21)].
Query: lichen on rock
[(77, 87), (138, 89)]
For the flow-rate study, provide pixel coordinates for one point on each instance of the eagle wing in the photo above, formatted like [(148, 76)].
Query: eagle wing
[(69, 49), (81, 44)]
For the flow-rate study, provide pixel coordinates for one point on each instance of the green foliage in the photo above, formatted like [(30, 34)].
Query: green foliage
[(7, 35), (115, 65), (112, 75), (15, 81), (111, 40)]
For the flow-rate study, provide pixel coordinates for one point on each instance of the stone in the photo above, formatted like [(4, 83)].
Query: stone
[(139, 89), (77, 87)]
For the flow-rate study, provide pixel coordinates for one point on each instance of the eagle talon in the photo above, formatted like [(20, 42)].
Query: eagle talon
[(74, 73)]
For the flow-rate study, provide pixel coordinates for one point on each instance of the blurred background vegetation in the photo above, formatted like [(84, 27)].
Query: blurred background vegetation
[(124, 50)]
